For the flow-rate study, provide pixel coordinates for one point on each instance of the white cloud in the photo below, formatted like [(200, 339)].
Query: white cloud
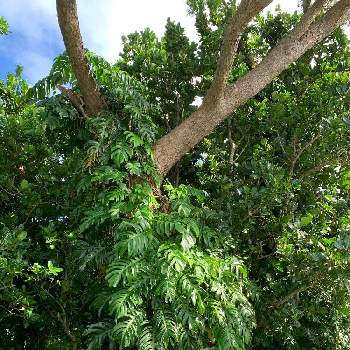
[(37, 40), (103, 26), (36, 65), (286, 5), (33, 20), (36, 32), (34, 40)]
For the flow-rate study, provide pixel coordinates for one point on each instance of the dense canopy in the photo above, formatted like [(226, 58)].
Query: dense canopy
[(243, 244)]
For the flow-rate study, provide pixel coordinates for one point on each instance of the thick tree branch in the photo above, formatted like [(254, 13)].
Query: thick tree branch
[(310, 31), (310, 15), (69, 25), (306, 5), (246, 11), (290, 48)]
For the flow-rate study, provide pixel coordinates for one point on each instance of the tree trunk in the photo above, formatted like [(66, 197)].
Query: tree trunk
[(69, 25)]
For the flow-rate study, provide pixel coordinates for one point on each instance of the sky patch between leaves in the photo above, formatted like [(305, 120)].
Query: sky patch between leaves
[(35, 39)]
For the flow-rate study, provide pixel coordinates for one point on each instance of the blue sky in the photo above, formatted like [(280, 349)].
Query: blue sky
[(35, 38)]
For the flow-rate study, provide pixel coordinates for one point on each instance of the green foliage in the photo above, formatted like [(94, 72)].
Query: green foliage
[(167, 67), (169, 281), (4, 27), (30, 188), (163, 274), (276, 170), (244, 246)]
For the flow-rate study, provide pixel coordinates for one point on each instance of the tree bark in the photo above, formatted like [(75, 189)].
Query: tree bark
[(69, 25), (221, 100), (306, 5), (246, 11), (310, 31)]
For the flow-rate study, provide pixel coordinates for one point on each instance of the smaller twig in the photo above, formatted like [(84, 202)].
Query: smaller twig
[(6, 287), (234, 146), (62, 317), (13, 194), (291, 295), (280, 142), (300, 152), (277, 303), (266, 256), (341, 160), (243, 149), (74, 98)]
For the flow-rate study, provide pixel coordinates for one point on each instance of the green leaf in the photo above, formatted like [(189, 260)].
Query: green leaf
[(52, 269), (22, 235), (194, 228), (306, 220), (24, 185), (187, 241), (179, 227), (4, 27), (134, 168), (146, 338), (134, 139), (184, 209)]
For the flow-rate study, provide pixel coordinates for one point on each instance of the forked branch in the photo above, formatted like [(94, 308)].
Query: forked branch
[(319, 21), (302, 38), (309, 32), (246, 11)]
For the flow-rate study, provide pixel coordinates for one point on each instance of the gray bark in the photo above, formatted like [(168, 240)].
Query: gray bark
[(310, 31)]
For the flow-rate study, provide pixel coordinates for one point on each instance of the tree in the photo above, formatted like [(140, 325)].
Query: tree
[(252, 252), (220, 101)]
